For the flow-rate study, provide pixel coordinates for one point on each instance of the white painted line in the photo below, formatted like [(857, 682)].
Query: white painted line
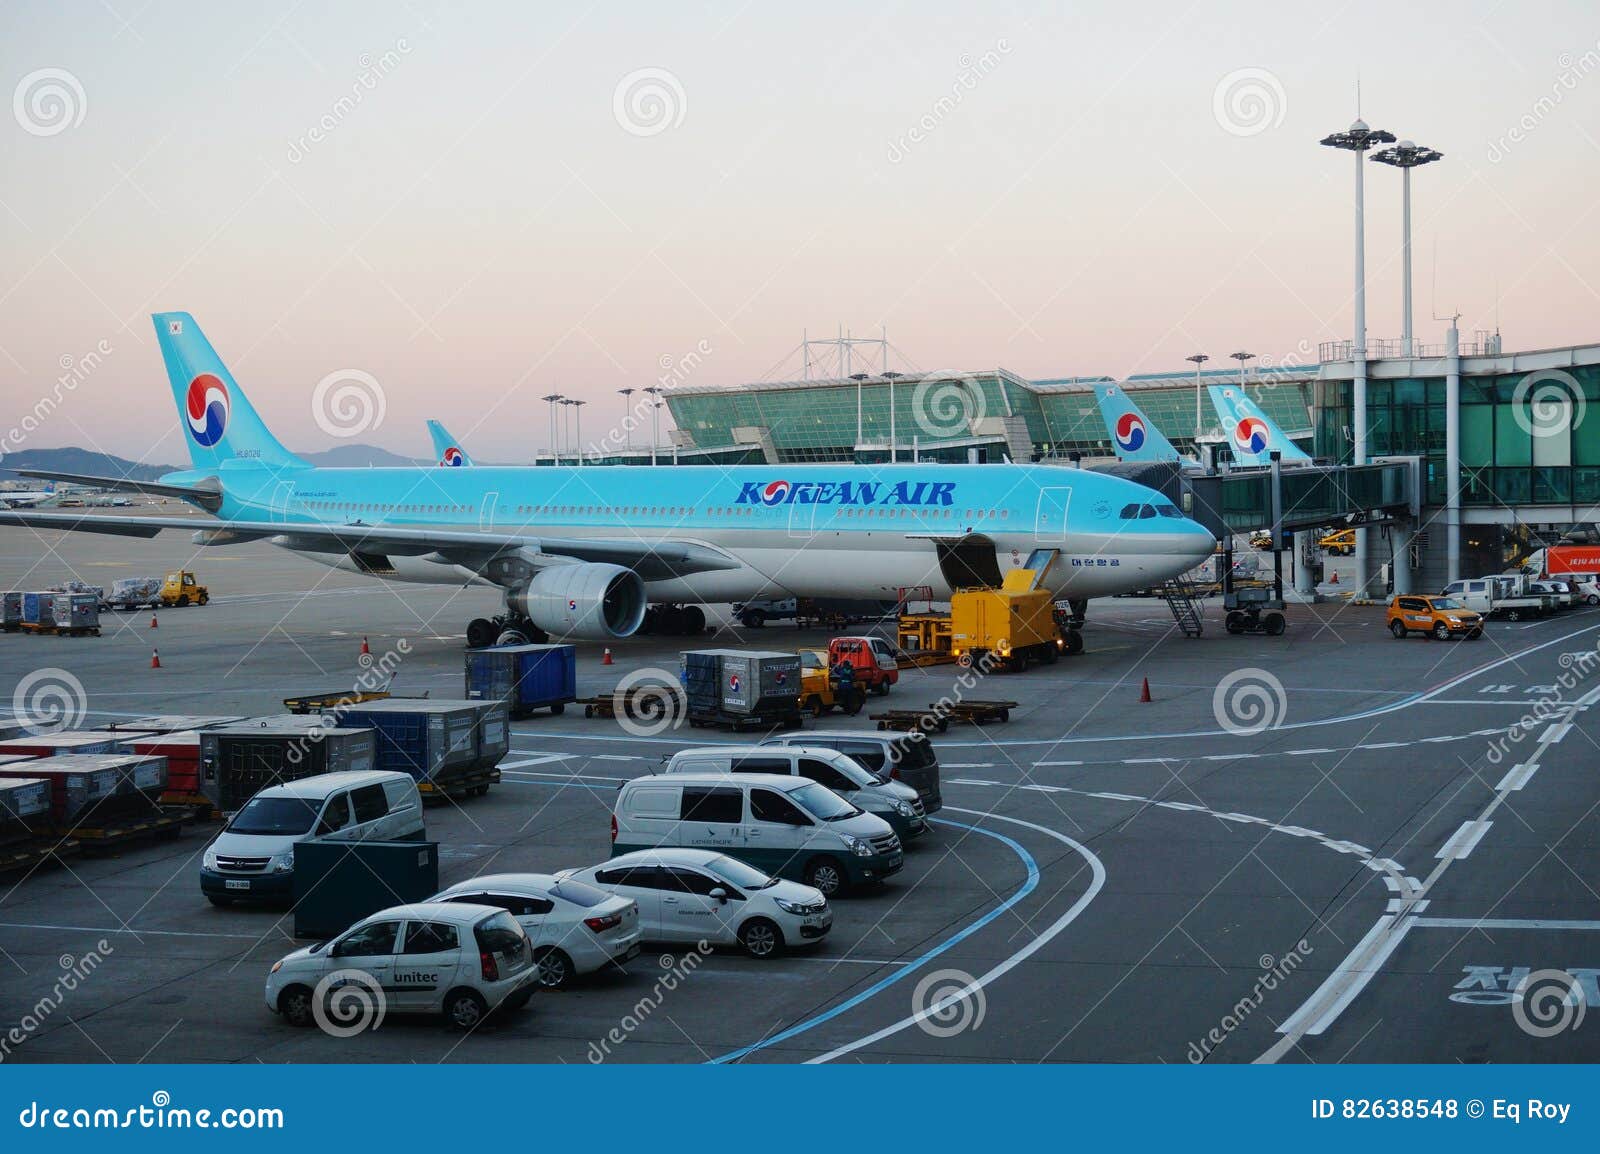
[(1228, 756), (1385, 865), (1297, 831), (1504, 924), (1045, 788), (1342, 985), (1384, 745), (971, 781), (1399, 906), (1464, 840), (1118, 797), (138, 933), (1555, 733), (1476, 701), (615, 757), (1182, 806), (1304, 752), (1038, 763), (966, 765), (546, 759), (1098, 880), (1147, 760), (1517, 776)]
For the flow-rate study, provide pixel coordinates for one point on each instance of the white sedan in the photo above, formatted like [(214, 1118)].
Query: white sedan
[(575, 928), (691, 895)]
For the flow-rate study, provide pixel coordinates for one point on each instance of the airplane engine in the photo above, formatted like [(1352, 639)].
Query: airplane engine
[(588, 600)]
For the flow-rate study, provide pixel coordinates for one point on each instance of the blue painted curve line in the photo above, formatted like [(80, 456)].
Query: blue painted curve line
[(1027, 887)]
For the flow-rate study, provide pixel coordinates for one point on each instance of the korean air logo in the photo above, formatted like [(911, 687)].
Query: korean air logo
[(775, 492), (207, 407), (1130, 433), (734, 682), (1250, 434), (452, 458)]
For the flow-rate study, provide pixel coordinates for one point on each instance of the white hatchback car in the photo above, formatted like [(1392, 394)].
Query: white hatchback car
[(692, 895), (575, 928), (433, 957)]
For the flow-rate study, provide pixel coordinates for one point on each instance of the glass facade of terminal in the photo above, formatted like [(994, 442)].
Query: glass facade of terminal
[(1502, 462)]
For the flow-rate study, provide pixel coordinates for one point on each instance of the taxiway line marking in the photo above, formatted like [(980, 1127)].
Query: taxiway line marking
[(1464, 840), (1504, 924), (1517, 776)]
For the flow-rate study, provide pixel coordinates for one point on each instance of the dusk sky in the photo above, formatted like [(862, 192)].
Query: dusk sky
[(477, 204)]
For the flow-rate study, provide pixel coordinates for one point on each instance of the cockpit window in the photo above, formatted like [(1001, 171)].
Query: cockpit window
[(1168, 511), (1129, 512), (1146, 511)]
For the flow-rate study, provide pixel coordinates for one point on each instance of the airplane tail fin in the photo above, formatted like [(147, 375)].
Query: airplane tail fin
[(218, 420), (1251, 434), (447, 451), (1134, 437)]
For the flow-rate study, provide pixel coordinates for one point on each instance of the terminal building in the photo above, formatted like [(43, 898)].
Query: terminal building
[(1508, 433)]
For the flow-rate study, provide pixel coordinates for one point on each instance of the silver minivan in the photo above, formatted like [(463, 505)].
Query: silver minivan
[(895, 803), (908, 758)]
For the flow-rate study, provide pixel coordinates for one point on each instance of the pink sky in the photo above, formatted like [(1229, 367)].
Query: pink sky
[(1056, 191)]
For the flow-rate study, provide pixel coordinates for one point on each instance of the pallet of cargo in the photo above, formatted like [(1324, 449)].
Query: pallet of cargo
[(332, 701), (640, 703), (165, 822)]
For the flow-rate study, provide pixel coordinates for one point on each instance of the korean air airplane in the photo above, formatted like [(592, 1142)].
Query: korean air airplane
[(447, 451), (1250, 432), (1134, 436), (589, 552)]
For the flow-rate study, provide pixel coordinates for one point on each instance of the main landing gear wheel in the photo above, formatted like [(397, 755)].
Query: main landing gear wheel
[(674, 620)]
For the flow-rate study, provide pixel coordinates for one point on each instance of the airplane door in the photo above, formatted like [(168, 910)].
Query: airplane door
[(802, 520), (1050, 522), (281, 499), (486, 510)]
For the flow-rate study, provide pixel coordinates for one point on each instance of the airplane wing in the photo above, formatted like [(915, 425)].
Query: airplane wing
[(209, 498), (652, 560)]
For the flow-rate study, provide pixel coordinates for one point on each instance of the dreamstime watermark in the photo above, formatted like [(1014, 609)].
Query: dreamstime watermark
[(48, 101), (1576, 667), (75, 371), (675, 371), (1249, 701), (970, 71), (48, 701), (648, 702), (1274, 971), (377, 673), (1249, 101), (348, 402), (1548, 403), (949, 1002), (74, 972), (946, 405), (348, 1002), (677, 971), (649, 101), (1549, 1002), (1570, 70), (372, 71)]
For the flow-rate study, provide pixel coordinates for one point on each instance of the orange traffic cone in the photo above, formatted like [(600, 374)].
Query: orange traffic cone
[(1144, 691), (366, 650), (153, 621), (606, 660), (155, 659)]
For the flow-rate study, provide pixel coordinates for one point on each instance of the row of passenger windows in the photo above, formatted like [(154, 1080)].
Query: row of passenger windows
[(1137, 512), (380, 507), (848, 512)]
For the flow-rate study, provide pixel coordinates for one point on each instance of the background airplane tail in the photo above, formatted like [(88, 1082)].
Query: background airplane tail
[(1134, 437), (1251, 434), (447, 450), (218, 421)]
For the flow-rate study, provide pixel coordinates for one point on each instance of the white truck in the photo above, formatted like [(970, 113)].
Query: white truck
[(1500, 595)]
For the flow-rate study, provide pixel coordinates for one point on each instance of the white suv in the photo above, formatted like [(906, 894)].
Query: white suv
[(433, 957), (691, 895), (575, 928)]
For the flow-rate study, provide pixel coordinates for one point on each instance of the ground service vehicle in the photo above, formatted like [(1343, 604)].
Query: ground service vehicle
[(795, 828), (820, 691), (692, 895), (180, 588), (904, 757), (1437, 617), (429, 958), (575, 928), (1013, 625), (1502, 595), (872, 659), (1340, 542)]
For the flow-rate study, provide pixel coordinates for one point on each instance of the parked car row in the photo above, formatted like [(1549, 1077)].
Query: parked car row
[(734, 846)]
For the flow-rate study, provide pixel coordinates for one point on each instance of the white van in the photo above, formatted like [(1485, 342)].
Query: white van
[(908, 758), (788, 826), (253, 857), (895, 803)]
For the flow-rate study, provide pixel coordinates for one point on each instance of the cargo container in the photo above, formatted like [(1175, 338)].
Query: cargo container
[(182, 751), (447, 746), (36, 607), (737, 686), (237, 761), (524, 677), (95, 788), (11, 611), (132, 592), (65, 742), (24, 804), (173, 723)]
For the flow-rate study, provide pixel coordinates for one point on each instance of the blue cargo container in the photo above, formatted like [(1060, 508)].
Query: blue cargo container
[(524, 677), (450, 747), (37, 607)]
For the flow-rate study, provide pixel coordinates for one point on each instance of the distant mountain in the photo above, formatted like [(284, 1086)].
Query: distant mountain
[(79, 461), (359, 457)]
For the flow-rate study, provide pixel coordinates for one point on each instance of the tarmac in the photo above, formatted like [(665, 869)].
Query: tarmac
[(1328, 846)]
